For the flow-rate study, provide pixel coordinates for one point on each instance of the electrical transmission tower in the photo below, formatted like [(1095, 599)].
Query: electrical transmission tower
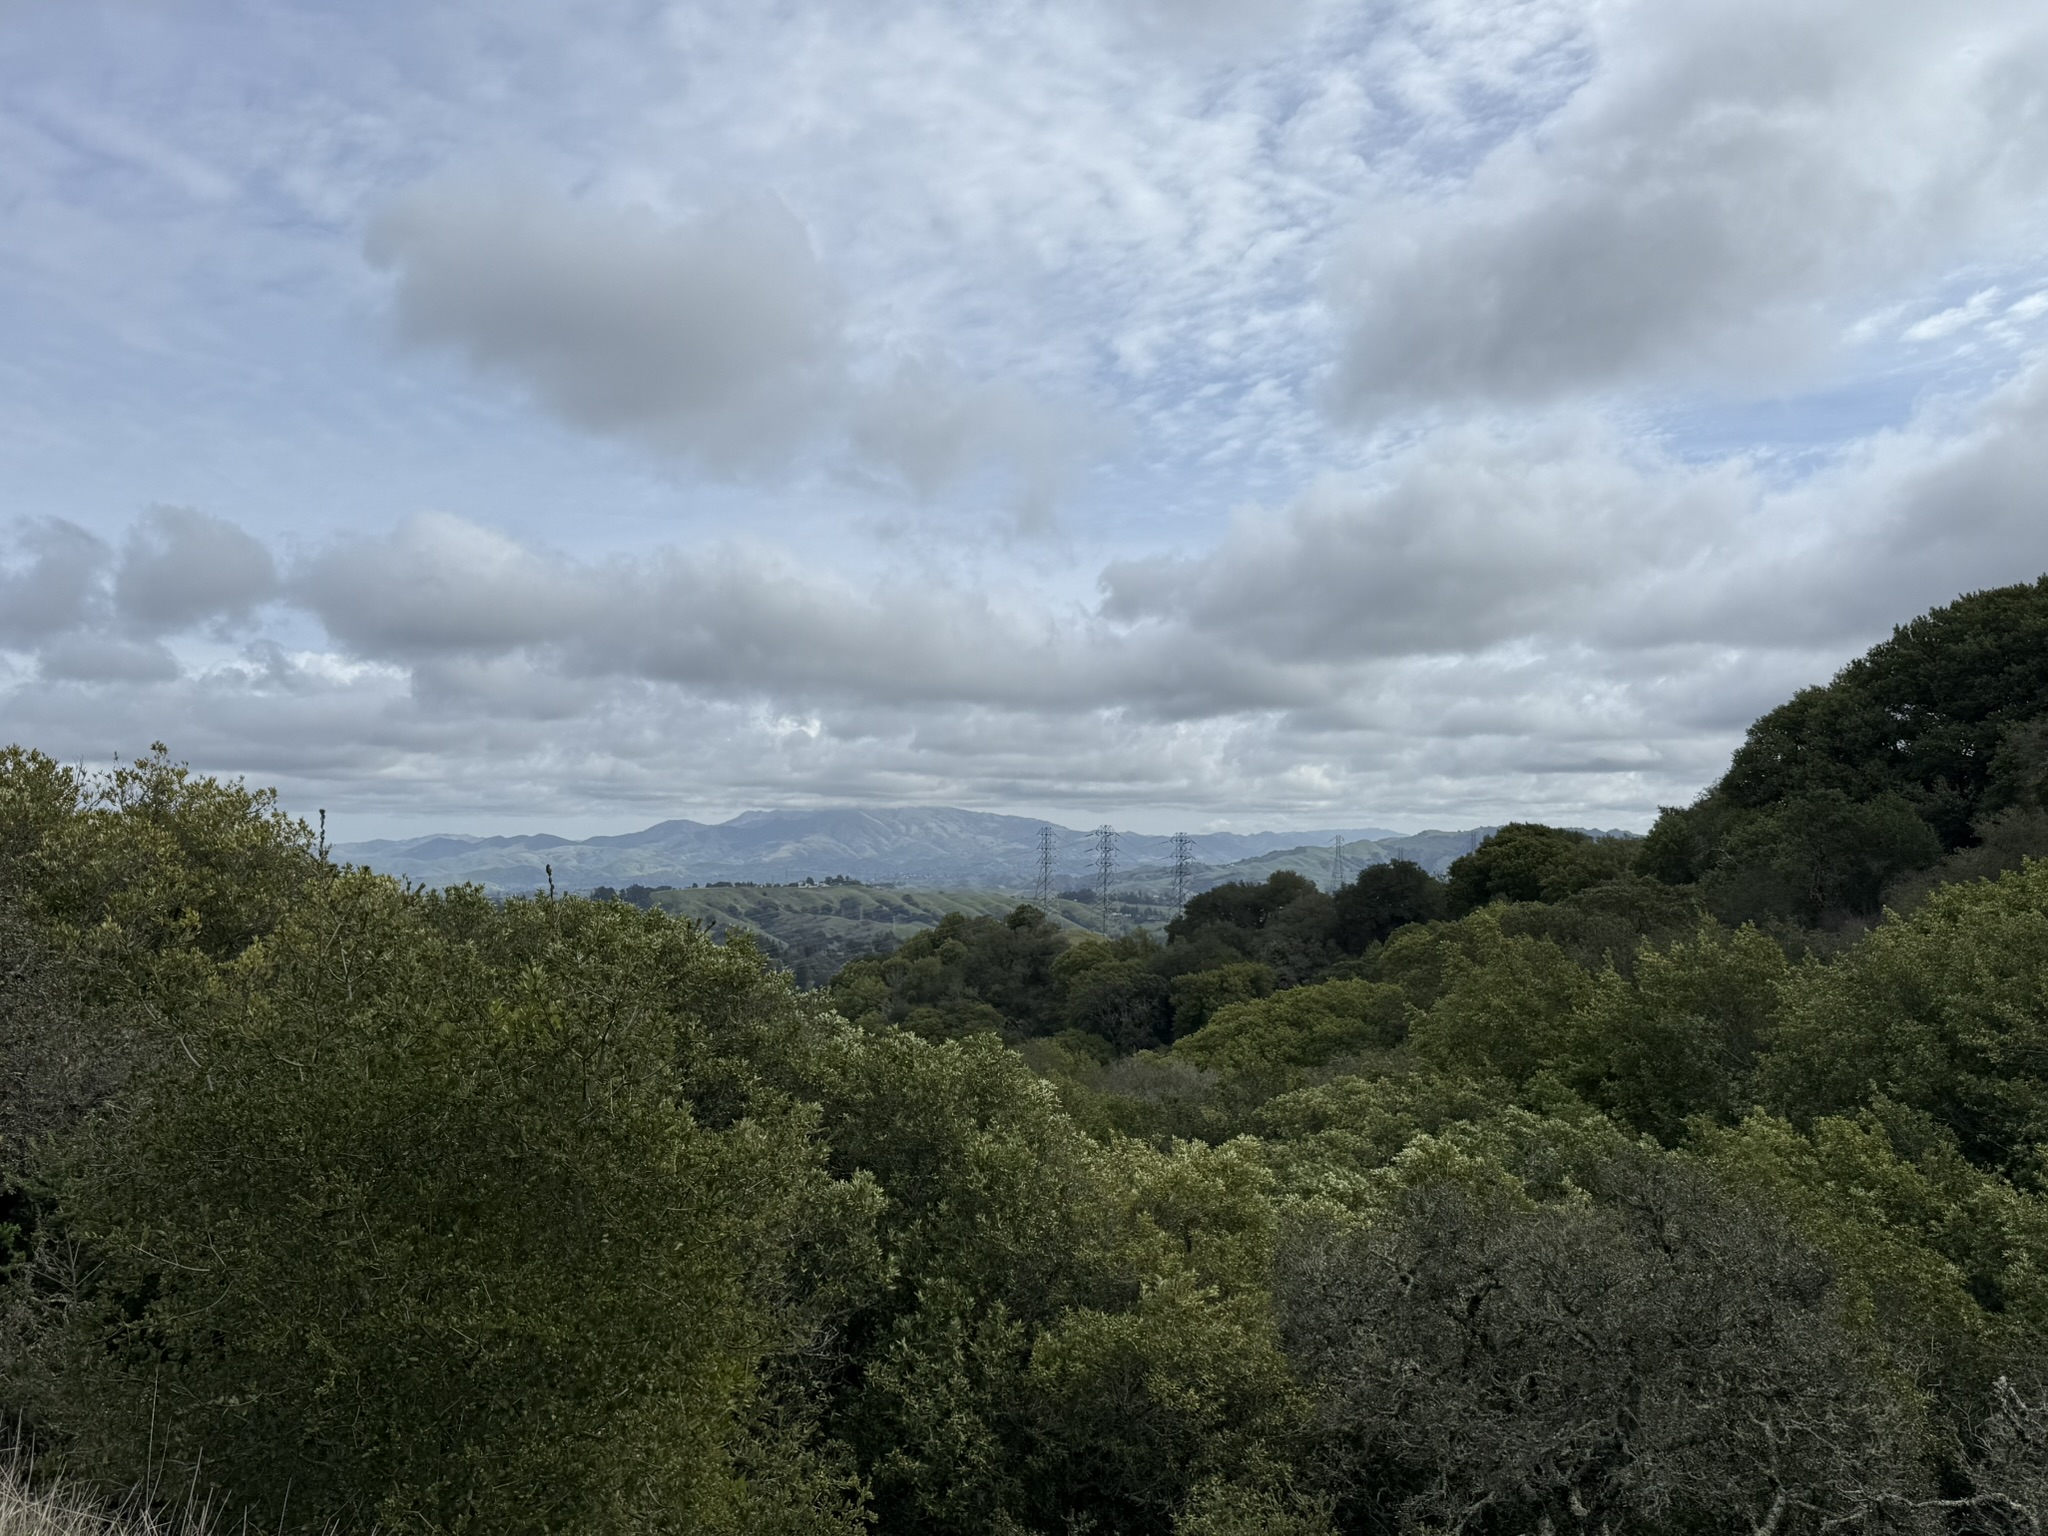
[(1337, 867), (1105, 870), (1183, 856), (1048, 841)]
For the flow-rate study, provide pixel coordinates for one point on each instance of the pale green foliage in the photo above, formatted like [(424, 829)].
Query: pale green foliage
[(1223, 1508), (1679, 1036), (1943, 1263), (1300, 1027), (1074, 1328), (1503, 1002), (1945, 1011), (148, 859), (385, 1206)]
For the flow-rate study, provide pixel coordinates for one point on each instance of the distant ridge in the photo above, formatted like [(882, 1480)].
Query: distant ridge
[(909, 845)]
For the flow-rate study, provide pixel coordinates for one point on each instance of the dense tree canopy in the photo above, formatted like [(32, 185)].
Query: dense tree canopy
[(1913, 751)]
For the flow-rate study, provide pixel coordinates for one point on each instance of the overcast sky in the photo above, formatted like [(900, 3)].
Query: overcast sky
[(499, 415)]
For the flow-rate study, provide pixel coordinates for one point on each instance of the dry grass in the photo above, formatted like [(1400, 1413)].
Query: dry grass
[(36, 1507)]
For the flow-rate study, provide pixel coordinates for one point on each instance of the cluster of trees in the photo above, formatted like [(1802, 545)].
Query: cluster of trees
[(1555, 1196), (1926, 758), (1026, 977)]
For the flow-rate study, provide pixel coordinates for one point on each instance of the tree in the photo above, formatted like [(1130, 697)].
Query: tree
[(1241, 904), (1657, 1358), (1526, 861), (1902, 757), (448, 1216), (1300, 1027), (1383, 898), (1922, 715), (1940, 1012)]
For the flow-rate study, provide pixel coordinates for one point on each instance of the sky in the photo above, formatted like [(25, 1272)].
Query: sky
[(1192, 414)]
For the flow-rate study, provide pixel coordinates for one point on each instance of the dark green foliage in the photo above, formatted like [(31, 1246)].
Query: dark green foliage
[(1115, 995), (1525, 861), (1198, 994), (1814, 855), (1243, 907), (1923, 716), (964, 975), (1906, 755), (1383, 898)]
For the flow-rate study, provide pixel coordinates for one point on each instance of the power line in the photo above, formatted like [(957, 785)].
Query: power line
[(1047, 845), (1105, 870), (1338, 871), (1183, 856)]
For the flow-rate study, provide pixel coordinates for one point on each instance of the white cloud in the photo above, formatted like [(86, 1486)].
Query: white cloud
[(1475, 538), (1727, 184), (929, 424), (1958, 317)]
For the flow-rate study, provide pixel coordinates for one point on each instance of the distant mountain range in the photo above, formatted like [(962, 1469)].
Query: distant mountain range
[(916, 846)]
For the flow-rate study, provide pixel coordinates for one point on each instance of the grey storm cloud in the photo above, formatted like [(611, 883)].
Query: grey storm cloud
[(88, 657), (1716, 200), (720, 338), (181, 567)]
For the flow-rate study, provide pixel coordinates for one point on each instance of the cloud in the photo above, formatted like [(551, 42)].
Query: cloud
[(1546, 618), (934, 427), (1549, 618), (51, 583), (181, 567), (1476, 537), (1571, 546), (446, 594), (87, 618), (86, 657), (1715, 202), (719, 339)]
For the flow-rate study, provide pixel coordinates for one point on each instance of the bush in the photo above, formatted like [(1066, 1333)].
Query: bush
[(452, 1217)]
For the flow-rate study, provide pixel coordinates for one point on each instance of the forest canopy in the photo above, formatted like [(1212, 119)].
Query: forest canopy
[(1689, 1183)]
